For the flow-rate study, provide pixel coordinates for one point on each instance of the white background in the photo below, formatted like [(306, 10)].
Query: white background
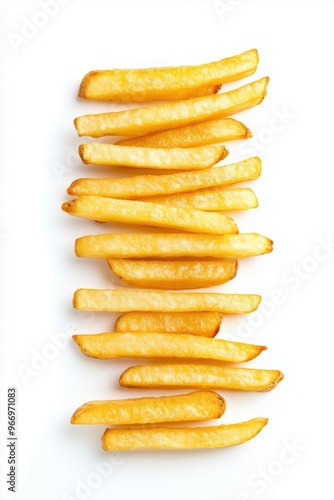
[(39, 272)]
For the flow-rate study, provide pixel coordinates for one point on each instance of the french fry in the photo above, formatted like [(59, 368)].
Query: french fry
[(149, 119), (102, 209), (200, 377), (197, 134), (206, 324), (94, 86), (164, 345), (98, 153), (141, 186), (210, 199), (199, 405), (171, 82), (121, 300), (182, 438), (165, 246), (174, 275)]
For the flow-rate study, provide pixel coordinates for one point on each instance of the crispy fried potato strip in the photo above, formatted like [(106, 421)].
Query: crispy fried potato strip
[(210, 199), (199, 405), (143, 213), (174, 275), (149, 119), (206, 324), (95, 85), (141, 186), (200, 377), (162, 246), (171, 82), (196, 134), (122, 300), (182, 438), (197, 158), (164, 345)]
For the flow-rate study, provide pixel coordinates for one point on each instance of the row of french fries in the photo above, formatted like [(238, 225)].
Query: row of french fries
[(182, 137)]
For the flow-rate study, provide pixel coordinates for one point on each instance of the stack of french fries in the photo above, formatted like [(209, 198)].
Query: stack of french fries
[(187, 193)]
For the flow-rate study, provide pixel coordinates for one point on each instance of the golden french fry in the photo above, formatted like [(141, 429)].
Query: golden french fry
[(199, 405), (122, 300), (94, 86), (161, 245), (206, 324), (164, 345), (158, 117), (201, 377), (102, 209), (174, 275), (98, 153), (196, 134), (182, 438), (155, 185), (210, 199), (148, 84)]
